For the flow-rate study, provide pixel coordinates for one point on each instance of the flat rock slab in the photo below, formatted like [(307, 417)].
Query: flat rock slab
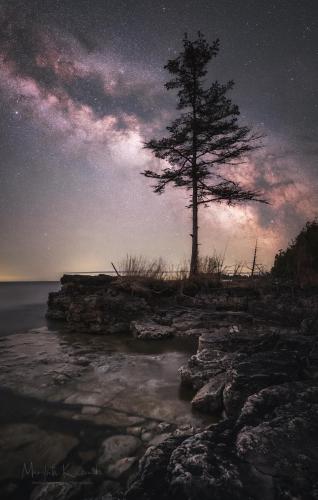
[(160, 439), (116, 419), (23, 444), (121, 467), (150, 330), (117, 447), (191, 332), (57, 491)]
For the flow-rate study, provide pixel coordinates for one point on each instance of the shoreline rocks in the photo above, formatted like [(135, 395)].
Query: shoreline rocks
[(150, 330), (256, 364), (107, 304), (265, 380)]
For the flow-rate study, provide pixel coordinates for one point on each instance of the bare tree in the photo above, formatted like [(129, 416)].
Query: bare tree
[(254, 260)]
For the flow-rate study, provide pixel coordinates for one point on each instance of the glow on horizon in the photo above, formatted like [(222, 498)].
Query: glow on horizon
[(77, 110)]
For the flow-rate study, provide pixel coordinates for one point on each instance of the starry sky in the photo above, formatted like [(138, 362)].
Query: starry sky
[(81, 89)]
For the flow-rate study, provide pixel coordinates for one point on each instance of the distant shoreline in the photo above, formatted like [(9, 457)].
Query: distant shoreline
[(28, 282)]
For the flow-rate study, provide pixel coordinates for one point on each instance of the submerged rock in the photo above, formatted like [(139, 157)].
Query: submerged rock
[(117, 447), (25, 449), (83, 489), (121, 467), (57, 491)]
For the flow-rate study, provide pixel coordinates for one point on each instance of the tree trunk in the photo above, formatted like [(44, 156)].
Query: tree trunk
[(195, 229), (194, 267)]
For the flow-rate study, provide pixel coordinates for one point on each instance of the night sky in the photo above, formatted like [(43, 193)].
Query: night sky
[(81, 88)]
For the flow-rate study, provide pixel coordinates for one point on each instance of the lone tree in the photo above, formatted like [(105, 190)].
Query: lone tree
[(203, 138)]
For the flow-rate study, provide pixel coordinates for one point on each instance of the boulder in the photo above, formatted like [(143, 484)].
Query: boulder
[(25, 449), (270, 452), (205, 365), (260, 370), (265, 380), (116, 447), (209, 398), (152, 480), (278, 438), (150, 330), (120, 467)]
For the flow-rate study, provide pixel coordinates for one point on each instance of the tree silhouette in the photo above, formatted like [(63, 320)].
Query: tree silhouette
[(204, 138), (299, 262)]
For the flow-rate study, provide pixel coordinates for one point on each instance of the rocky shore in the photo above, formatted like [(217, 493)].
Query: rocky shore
[(106, 304), (265, 384), (256, 367)]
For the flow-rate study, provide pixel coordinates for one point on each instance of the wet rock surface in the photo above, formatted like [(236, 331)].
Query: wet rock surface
[(83, 410), (150, 330), (264, 379), (23, 444), (117, 447), (110, 413)]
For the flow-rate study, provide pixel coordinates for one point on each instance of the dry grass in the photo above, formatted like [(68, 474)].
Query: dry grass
[(138, 266), (238, 269), (211, 268)]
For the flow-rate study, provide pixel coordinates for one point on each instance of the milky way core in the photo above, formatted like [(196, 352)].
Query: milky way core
[(81, 90)]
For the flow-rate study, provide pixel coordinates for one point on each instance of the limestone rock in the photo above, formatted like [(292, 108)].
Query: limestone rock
[(150, 330), (120, 467), (117, 447), (57, 491), (26, 444), (160, 438), (269, 453), (209, 397), (151, 481), (192, 332)]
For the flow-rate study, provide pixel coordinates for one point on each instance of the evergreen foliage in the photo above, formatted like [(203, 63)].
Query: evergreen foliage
[(299, 262), (204, 138)]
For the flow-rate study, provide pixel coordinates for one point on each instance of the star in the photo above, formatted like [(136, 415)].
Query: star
[(81, 91)]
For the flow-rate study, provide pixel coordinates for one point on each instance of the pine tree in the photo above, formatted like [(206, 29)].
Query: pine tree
[(205, 137)]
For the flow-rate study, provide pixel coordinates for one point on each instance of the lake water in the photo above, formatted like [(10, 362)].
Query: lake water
[(23, 305), (63, 393)]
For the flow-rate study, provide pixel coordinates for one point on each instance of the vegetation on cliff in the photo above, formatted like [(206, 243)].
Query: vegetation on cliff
[(299, 262)]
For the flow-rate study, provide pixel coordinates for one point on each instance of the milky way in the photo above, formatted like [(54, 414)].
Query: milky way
[(81, 89)]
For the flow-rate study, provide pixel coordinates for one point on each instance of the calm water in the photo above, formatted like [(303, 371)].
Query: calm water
[(23, 305), (71, 391)]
